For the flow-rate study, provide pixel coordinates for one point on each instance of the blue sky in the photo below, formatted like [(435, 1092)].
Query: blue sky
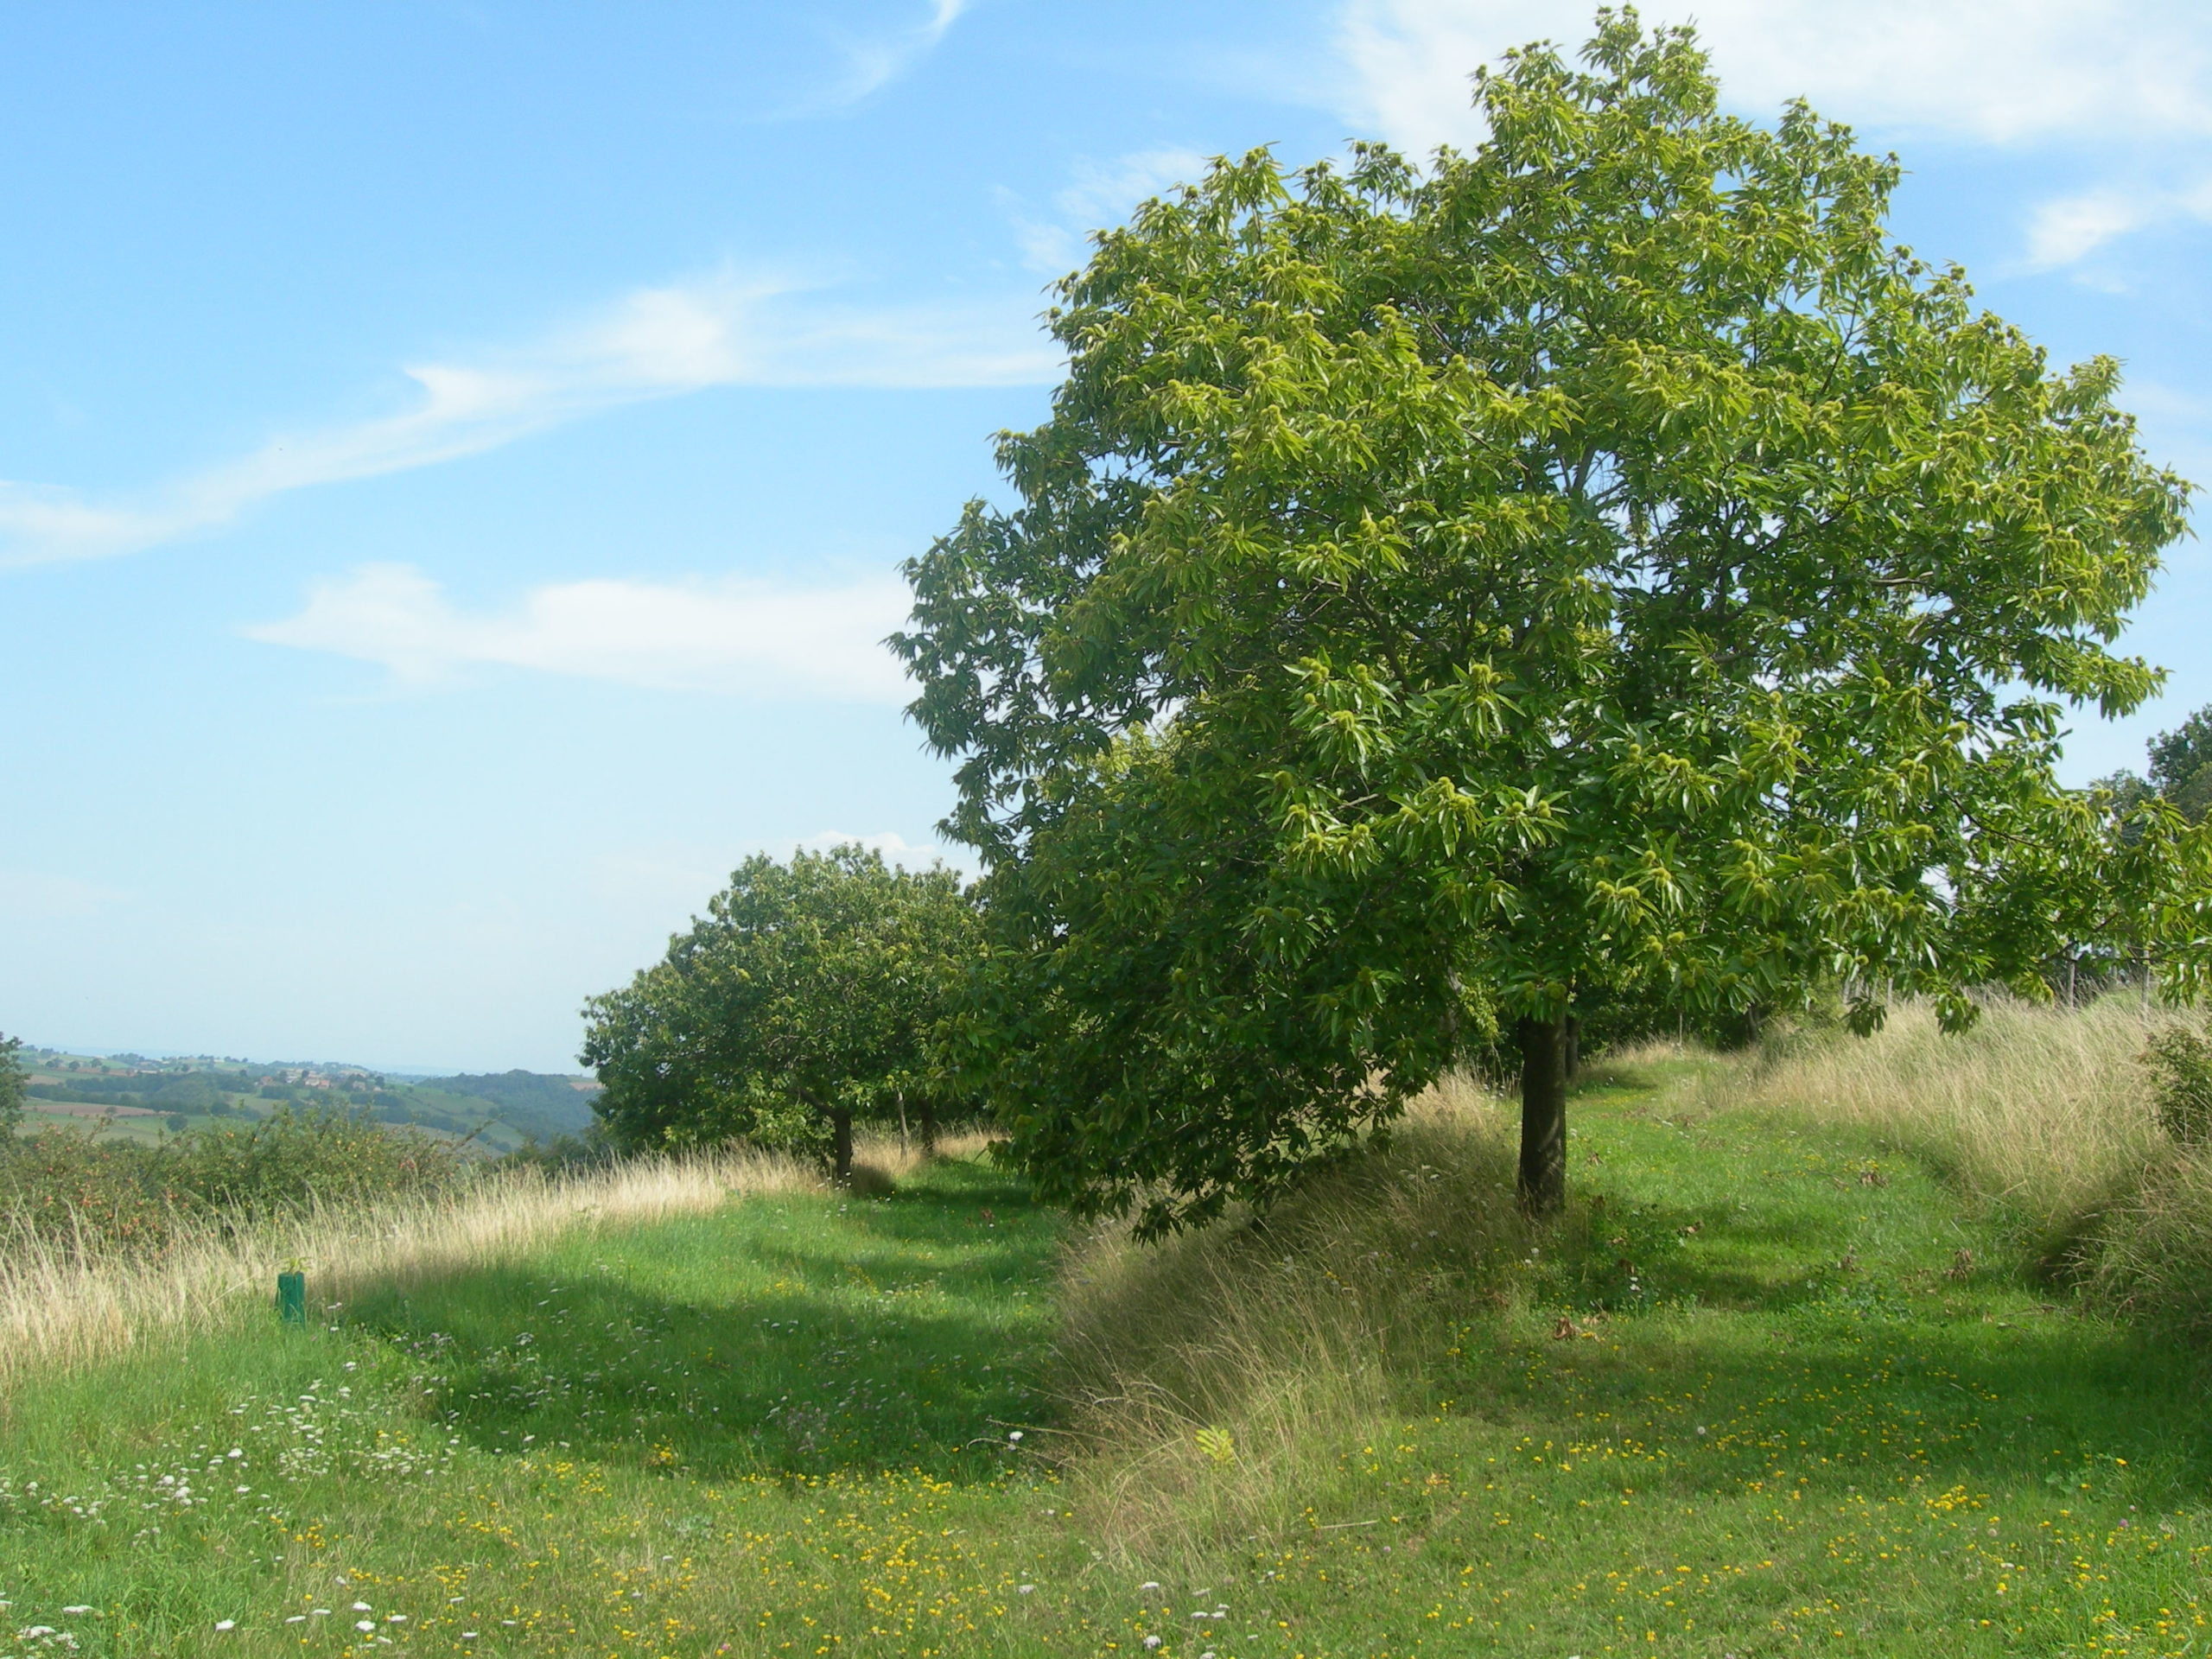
[(457, 456)]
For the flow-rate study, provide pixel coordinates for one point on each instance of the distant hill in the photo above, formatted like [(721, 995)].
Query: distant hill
[(494, 1113), (540, 1104)]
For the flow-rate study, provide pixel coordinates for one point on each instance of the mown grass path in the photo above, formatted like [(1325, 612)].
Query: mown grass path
[(1792, 1400), (1786, 1398)]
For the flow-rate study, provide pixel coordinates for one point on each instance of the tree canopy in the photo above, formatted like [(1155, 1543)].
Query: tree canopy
[(1444, 596), (807, 997), (2181, 765), (13, 1084)]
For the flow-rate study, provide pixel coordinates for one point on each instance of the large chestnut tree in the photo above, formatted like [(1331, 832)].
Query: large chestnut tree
[(1444, 596)]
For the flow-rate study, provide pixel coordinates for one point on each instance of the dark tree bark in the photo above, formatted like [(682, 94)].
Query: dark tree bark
[(1543, 1115), (1574, 1047), (841, 1154)]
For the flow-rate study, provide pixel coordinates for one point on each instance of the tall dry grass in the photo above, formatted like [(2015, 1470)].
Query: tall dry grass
[(2042, 1110), (1283, 1337), (2045, 1111), (61, 1307)]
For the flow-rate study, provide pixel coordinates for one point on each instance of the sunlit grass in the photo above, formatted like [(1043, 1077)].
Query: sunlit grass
[(61, 1306), (1770, 1387)]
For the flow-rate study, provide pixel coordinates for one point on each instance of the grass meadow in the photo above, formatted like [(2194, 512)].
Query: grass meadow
[(1796, 1374)]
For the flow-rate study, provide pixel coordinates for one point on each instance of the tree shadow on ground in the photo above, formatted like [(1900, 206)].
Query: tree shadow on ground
[(906, 1336)]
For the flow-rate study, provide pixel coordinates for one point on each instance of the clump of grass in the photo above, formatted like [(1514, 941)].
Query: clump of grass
[(1209, 1380), (63, 1305)]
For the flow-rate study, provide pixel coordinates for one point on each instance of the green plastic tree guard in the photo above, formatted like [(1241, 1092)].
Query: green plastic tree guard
[(292, 1298)]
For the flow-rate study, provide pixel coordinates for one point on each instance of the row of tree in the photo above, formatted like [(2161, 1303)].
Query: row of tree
[(1604, 570), (811, 995)]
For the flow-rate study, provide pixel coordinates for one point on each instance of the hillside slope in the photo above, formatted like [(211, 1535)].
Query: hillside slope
[(1769, 1388)]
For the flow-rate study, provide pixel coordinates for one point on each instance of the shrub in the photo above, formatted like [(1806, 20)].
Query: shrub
[(70, 1187), (2180, 1062), (297, 1159)]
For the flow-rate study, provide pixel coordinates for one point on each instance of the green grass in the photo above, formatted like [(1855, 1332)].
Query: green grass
[(1770, 1389)]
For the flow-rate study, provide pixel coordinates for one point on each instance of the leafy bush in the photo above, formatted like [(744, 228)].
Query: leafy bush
[(2181, 1068), (12, 1083), (68, 1187), (294, 1159), (73, 1188)]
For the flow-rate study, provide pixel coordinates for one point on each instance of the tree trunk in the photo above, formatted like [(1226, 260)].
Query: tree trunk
[(841, 1154), (1574, 1047), (1543, 1115)]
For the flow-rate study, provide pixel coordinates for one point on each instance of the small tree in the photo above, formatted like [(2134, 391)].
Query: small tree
[(2181, 765), (14, 1085), (1601, 566), (806, 999)]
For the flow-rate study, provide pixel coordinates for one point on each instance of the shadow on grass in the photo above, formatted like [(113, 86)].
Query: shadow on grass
[(797, 1337)]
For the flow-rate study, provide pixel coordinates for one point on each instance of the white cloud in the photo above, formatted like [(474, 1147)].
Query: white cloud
[(895, 850), (1100, 193), (2073, 227), (727, 637), (874, 62), (654, 343), (1996, 71), (2069, 229), (37, 895)]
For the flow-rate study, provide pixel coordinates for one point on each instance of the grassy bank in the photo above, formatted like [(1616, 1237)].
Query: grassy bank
[(2042, 1117), (1771, 1387)]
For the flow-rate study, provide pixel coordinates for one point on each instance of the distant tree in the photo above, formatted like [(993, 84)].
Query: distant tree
[(13, 1084), (2181, 765), (806, 999), (1603, 565)]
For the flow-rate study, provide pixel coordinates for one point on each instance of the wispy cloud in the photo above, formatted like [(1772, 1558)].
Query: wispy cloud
[(729, 636), (874, 61), (40, 895), (654, 343), (2069, 229), (1997, 71), (1099, 193)]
